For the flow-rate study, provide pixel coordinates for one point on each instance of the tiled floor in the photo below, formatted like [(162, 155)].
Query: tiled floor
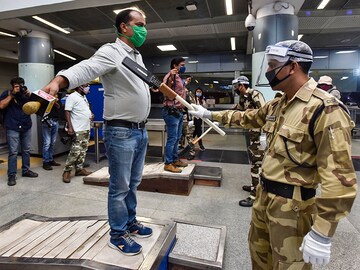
[(49, 196)]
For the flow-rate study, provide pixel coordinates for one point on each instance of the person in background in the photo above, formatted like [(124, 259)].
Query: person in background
[(188, 123), (325, 83), (250, 99), (186, 116), (127, 104), (308, 135), (18, 128), (199, 100), (50, 127), (173, 116), (78, 118)]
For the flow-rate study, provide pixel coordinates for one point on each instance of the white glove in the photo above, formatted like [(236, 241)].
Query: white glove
[(316, 248), (190, 124), (200, 112)]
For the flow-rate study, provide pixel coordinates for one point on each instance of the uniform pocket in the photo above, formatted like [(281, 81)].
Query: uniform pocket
[(340, 148), (289, 140)]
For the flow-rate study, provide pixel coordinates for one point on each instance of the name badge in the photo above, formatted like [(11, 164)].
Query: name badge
[(271, 118)]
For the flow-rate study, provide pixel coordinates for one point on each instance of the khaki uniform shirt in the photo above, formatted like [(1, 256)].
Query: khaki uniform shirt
[(329, 152), (253, 99)]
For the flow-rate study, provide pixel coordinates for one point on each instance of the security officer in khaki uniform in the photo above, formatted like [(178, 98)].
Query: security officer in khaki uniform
[(188, 127), (308, 145), (250, 99)]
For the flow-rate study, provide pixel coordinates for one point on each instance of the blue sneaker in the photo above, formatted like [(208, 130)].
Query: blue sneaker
[(126, 245), (139, 230)]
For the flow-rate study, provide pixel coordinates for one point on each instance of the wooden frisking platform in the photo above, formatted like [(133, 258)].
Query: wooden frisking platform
[(33, 242), (155, 179)]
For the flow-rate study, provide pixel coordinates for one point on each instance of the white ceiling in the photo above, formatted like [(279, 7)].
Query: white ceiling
[(206, 30)]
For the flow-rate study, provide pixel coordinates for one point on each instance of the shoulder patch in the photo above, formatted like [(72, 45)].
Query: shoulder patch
[(331, 101)]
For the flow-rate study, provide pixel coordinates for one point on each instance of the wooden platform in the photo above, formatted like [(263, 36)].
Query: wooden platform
[(34, 242), (154, 179)]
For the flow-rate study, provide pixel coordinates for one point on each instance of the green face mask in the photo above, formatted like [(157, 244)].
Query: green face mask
[(139, 36)]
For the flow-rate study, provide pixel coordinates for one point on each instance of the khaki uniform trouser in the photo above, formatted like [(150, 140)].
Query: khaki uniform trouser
[(278, 226)]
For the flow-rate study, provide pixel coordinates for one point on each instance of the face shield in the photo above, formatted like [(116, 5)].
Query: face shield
[(278, 57)]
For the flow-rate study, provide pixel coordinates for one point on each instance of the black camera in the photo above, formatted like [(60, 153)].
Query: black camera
[(174, 111), (23, 88), (47, 121), (67, 139)]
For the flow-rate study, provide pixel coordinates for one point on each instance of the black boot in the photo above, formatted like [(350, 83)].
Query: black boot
[(47, 166), (12, 180), (248, 202)]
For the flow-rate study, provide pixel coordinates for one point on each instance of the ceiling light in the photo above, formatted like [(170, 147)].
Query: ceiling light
[(340, 52), (64, 54), (215, 81), (166, 48), (323, 4), (300, 36), (193, 62), (229, 8), (344, 78), (320, 57), (7, 34), (117, 11), (206, 84), (51, 24), (232, 41), (191, 6)]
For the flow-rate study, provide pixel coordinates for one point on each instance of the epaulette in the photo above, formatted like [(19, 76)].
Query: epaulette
[(327, 100), (331, 101)]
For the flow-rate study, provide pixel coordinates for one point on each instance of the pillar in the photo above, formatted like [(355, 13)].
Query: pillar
[(36, 66), (274, 22)]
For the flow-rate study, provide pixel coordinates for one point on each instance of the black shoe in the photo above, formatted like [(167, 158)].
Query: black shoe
[(86, 165), (47, 166), (202, 148), (12, 180), (30, 173), (248, 202), (247, 188), (54, 163), (191, 157)]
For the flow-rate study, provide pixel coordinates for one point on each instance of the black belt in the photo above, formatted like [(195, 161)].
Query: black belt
[(286, 190), (124, 123)]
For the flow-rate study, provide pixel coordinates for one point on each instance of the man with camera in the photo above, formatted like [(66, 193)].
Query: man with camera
[(18, 128), (78, 118), (50, 127), (173, 116)]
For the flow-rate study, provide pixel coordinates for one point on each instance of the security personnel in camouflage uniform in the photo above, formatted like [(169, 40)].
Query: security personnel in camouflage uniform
[(250, 99), (308, 145)]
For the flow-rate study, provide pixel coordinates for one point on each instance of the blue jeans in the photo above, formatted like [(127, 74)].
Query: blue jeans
[(14, 138), (125, 150), (174, 131), (49, 137)]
